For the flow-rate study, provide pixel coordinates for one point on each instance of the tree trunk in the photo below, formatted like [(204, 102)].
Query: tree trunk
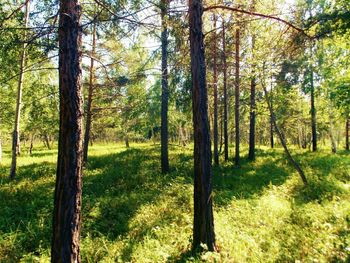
[(0, 149), (165, 92), (225, 91), (203, 224), (47, 141), (251, 154), (127, 145), (216, 130), (31, 145), (67, 202), (90, 95), (331, 130), (15, 138), (347, 124), (272, 142), (313, 114), (237, 98), (283, 142)]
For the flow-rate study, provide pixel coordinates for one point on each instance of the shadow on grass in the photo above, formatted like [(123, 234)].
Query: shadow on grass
[(116, 186)]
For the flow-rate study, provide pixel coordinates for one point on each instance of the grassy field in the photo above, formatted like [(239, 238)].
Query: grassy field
[(133, 213)]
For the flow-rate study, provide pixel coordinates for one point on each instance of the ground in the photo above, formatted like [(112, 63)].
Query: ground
[(133, 213)]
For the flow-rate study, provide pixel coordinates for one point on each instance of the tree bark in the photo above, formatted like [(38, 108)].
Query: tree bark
[(347, 124), (313, 114), (331, 130), (225, 91), (165, 91), (272, 141), (283, 142), (67, 199), (31, 145), (127, 145), (251, 154), (203, 224), (90, 96), (216, 131), (237, 93), (15, 138)]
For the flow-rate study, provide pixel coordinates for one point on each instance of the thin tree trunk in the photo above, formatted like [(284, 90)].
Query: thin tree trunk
[(347, 124), (216, 130), (67, 200), (283, 142), (272, 141), (225, 91), (90, 95), (313, 114), (31, 145), (0, 149), (203, 224), (237, 93), (15, 139), (47, 141), (165, 92), (127, 145), (331, 130), (251, 154)]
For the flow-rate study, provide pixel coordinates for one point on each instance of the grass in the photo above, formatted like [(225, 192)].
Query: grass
[(133, 213)]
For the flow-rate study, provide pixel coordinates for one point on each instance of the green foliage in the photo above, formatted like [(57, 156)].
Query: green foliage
[(131, 212)]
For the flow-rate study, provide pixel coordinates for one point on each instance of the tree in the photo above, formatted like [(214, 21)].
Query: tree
[(90, 95), (67, 199), (165, 92), (203, 228), (237, 95), (224, 69), (251, 153), (15, 138), (216, 134)]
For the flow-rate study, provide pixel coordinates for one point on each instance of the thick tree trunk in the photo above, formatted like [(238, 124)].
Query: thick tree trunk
[(237, 93), (67, 203), (283, 142), (203, 224), (313, 114), (165, 92), (347, 124), (216, 130), (225, 91), (15, 138), (90, 96)]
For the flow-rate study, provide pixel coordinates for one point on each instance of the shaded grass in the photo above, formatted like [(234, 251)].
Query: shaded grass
[(133, 213)]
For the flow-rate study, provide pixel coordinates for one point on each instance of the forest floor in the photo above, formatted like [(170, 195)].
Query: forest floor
[(133, 213)]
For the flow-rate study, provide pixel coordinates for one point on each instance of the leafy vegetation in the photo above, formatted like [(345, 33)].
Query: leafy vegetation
[(132, 212)]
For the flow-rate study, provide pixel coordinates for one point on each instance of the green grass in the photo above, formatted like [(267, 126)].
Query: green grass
[(133, 213)]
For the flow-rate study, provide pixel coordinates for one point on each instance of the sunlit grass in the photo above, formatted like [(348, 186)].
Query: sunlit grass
[(133, 213)]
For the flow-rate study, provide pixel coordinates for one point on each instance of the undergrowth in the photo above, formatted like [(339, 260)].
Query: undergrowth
[(133, 213)]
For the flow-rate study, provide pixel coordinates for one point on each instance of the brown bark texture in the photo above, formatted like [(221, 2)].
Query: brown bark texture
[(66, 224), (203, 225)]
